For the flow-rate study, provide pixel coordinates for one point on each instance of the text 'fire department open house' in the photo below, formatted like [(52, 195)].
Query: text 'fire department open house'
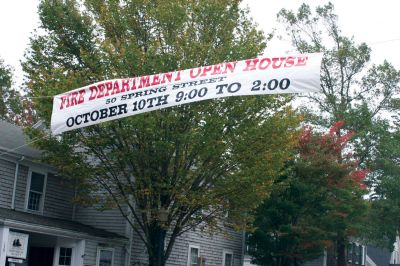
[(118, 98)]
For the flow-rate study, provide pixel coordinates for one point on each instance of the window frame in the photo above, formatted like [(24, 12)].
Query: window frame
[(28, 190), (99, 249), (59, 255), (224, 253), (189, 249)]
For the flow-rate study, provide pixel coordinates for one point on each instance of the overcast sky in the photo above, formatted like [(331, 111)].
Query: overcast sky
[(375, 22)]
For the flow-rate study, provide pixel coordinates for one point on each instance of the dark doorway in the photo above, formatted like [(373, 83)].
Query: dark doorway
[(40, 256)]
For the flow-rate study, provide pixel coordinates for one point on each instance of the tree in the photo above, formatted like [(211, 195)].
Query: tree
[(170, 170), (314, 205), (383, 223), (12, 108), (353, 90)]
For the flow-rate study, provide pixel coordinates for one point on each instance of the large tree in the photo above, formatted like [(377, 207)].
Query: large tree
[(353, 89), (316, 203), (13, 108), (170, 170)]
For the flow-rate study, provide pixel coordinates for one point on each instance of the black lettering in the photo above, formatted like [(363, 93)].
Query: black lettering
[(220, 88), (94, 115), (103, 113), (231, 88), (176, 86), (203, 81), (122, 109), (150, 102), (113, 111), (192, 83), (70, 121), (76, 119), (86, 115), (162, 100)]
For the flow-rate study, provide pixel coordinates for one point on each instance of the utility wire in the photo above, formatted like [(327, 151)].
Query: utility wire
[(27, 97), (24, 145), (44, 97)]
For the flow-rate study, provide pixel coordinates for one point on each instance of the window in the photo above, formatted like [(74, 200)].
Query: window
[(356, 254), (227, 259), (193, 257), (65, 256), (36, 187), (105, 257)]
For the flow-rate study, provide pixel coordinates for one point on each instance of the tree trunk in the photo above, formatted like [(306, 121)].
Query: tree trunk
[(331, 258), (157, 241), (341, 253)]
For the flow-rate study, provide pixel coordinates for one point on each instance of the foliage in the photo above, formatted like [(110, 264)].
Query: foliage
[(384, 213), (174, 169), (317, 201), (12, 108), (355, 91)]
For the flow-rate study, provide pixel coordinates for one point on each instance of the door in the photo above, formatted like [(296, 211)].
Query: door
[(40, 256)]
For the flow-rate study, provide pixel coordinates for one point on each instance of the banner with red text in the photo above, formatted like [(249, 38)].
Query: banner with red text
[(118, 98)]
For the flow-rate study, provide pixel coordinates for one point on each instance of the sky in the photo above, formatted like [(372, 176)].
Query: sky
[(375, 22)]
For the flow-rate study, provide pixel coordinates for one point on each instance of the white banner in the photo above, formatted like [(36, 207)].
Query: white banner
[(118, 98)]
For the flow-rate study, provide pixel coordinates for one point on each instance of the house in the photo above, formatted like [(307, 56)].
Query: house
[(41, 226), (357, 255)]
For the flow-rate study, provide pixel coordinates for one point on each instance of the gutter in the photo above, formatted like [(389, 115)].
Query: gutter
[(60, 232), (15, 182)]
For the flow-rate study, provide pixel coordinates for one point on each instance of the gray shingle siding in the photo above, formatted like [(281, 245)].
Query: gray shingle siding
[(110, 220), (21, 187), (91, 253), (211, 248), (58, 198), (138, 252), (7, 173)]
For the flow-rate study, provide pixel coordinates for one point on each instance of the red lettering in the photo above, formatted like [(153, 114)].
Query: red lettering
[(81, 96), (144, 82), (101, 88), (73, 98), (275, 60), (156, 80), (231, 66), (217, 70), (116, 88), (167, 76), (125, 85), (289, 61), (63, 100), (109, 87), (263, 65), (178, 75), (251, 64), (205, 70), (195, 75), (302, 60), (93, 93)]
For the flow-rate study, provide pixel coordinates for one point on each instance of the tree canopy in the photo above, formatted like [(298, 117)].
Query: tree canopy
[(12, 107), (315, 204), (175, 169), (362, 94)]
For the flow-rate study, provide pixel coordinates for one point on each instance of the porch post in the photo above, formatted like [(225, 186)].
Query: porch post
[(4, 231)]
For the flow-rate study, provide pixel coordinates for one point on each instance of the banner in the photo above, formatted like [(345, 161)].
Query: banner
[(118, 98)]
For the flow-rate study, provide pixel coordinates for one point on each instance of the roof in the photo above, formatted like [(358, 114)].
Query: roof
[(13, 140), (380, 256), (29, 218)]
